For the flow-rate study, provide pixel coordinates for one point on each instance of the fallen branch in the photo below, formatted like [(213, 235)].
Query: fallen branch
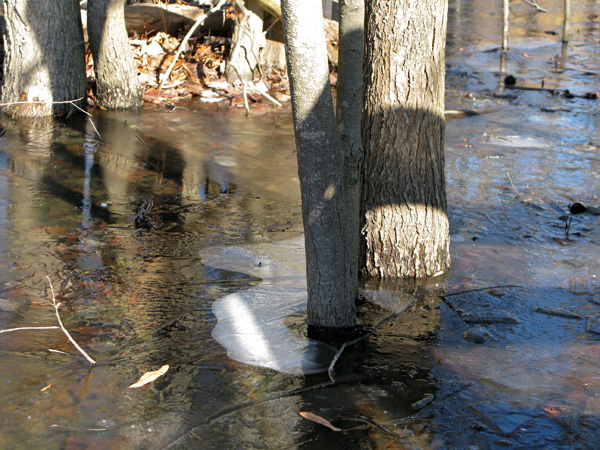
[(185, 39), (64, 330)]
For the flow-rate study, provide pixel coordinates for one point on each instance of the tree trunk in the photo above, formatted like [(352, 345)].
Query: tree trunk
[(44, 61), (348, 112), (403, 205), (117, 85), (330, 301)]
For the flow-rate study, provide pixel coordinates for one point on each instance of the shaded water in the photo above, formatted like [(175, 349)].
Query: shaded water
[(122, 225)]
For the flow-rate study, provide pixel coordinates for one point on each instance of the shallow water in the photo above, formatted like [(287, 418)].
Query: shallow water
[(125, 226)]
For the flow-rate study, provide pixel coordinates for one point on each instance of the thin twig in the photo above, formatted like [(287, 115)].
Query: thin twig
[(9, 330), (40, 102), (187, 37), (365, 336), (513, 184), (64, 330), (535, 5), (481, 289), (89, 118)]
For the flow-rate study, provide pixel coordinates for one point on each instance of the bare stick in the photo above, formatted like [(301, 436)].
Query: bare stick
[(40, 102), (89, 118), (365, 336), (9, 330), (513, 184), (246, 98), (64, 330), (187, 37)]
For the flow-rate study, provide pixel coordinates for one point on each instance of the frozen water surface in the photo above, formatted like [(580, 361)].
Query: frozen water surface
[(176, 240), (250, 323)]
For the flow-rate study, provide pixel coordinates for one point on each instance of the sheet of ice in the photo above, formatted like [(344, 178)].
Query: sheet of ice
[(250, 323)]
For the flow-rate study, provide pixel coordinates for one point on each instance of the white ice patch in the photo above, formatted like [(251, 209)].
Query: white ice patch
[(250, 323), (519, 141)]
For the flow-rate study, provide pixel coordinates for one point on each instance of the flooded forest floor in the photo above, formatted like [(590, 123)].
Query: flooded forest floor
[(145, 230)]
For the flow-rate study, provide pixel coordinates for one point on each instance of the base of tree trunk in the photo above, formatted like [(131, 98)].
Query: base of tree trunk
[(334, 336)]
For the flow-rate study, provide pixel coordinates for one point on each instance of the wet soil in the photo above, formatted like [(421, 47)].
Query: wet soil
[(500, 352)]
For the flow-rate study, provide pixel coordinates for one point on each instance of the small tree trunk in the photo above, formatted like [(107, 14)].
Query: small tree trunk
[(117, 85), (319, 166), (505, 23), (566, 21), (349, 115), (44, 62), (404, 222)]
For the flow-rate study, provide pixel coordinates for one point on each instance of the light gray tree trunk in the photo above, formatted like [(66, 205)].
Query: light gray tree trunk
[(320, 162), (117, 85), (403, 215), (505, 23), (44, 62), (566, 21)]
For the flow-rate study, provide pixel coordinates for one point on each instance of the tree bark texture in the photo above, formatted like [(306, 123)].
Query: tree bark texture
[(117, 85), (44, 61), (404, 226), (331, 295), (349, 114)]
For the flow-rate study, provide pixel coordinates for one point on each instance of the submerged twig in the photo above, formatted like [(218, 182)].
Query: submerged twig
[(365, 336), (64, 330), (513, 185), (367, 421), (502, 286)]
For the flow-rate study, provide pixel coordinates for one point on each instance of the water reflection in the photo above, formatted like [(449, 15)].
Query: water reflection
[(119, 224)]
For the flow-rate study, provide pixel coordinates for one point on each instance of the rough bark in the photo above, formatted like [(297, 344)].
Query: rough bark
[(330, 303), (117, 85), (44, 60), (348, 113), (403, 205)]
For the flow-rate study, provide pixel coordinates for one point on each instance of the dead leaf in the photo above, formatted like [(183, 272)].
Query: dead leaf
[(149, 377), (319, 420)]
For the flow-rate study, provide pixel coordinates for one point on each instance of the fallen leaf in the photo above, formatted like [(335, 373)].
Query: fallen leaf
[(319, 420), (149, 377)]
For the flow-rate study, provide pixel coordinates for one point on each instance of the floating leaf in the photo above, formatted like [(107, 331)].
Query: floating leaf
[(319, 420), (149, 377)]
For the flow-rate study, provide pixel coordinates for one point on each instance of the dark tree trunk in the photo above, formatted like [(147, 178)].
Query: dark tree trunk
[(117, 85), (331, 302), (348, 112), (44, 63), (403, 205)]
